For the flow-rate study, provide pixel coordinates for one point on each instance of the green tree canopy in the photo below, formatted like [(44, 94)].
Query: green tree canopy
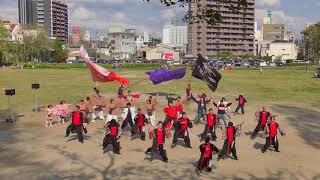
[(311, 36), (204, 13)]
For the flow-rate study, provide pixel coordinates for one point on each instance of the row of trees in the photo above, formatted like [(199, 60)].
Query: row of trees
[(311, 36), (247, 56), (33, 46)]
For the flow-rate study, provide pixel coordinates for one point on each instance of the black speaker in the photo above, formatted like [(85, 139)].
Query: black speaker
[(35, 86), (10, 92)]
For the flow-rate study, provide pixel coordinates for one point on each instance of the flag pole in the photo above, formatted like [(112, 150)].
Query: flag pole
[(138, 82)]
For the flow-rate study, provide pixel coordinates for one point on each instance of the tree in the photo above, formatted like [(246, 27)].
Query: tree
[(300, 56), (204, 13), (59, 54), (311, 36), (4, 41), (246, 56), (224, 54)]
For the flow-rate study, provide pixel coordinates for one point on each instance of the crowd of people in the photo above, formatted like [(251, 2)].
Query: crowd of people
[(141, 120)]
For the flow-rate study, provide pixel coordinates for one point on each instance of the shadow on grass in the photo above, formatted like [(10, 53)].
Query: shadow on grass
[(306, 121)]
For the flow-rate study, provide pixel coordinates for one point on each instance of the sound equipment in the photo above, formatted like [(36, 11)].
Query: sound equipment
[(10, 92), (35, 86)]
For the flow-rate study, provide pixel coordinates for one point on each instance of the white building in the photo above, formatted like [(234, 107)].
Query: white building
[(258, 40), (282, 49), (147, 38), (140, 42), (122, 42), (87, 36), (175, 36)]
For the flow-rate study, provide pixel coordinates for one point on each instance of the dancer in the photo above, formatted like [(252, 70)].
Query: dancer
[(241, 102), (205, 160), (129, 97), (120, 91), (113, 132), (127, 115), (211, 125), (171, 116), (140, 122), (158, 143), (111, 111), (50, 113), (188, 92), (98, 106), (229, 145), (150, 109), (181, 130), (222, 106), (170, 98), (263, 117), (202, 106), (76, 125), (62, 112), (90, 109), (85, 110), (271, 131)]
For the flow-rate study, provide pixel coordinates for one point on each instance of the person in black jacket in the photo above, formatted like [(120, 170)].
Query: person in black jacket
[(157, 147), (206, 150), (181, 130), (223, 106), (241, 102), (202, 106), (229, 145)]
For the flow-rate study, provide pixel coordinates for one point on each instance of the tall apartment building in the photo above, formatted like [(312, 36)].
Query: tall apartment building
[(174, 35), (25, 11), (52, 15), (235, 33)]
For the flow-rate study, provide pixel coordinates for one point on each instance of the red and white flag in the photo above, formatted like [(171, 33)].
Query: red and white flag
[(100, 74)]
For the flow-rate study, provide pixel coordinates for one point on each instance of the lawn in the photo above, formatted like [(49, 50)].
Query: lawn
[(31, 151), (290, 85)]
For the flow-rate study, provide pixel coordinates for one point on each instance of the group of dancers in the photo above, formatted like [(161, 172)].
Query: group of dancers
[(176, 119)]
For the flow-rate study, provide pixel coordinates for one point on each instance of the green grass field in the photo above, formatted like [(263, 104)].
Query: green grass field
[(290, 85)]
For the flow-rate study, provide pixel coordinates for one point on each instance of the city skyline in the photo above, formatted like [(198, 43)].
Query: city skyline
[(101, 14)]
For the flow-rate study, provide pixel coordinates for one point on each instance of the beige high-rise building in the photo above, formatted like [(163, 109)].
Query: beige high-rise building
[(235, 33), (272, 32)]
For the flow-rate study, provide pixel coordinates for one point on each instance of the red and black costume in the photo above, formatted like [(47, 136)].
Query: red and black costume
[(76, 125), (181, 131), (112, 136), (210, 127), (206, 150), (263, 118), (241, 102), (229, 145), (158, 144), (140, 121), (171, 116), (272, 139)]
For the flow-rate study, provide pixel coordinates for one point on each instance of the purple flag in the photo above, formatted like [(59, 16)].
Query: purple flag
[(163, 74)]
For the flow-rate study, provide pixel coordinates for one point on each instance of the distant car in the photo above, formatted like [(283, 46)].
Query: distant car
[(138, 62), (263, 63), (317, 73)]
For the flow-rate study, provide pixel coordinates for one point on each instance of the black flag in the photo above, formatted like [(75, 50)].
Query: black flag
[(206, 73)]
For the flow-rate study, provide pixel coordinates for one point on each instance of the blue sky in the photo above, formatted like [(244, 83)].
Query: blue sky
[(98, 15)]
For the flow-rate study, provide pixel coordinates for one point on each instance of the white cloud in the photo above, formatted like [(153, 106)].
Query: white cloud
[(10, 14), (268, 3), (168, 14), (119, 16), (83, 14)]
